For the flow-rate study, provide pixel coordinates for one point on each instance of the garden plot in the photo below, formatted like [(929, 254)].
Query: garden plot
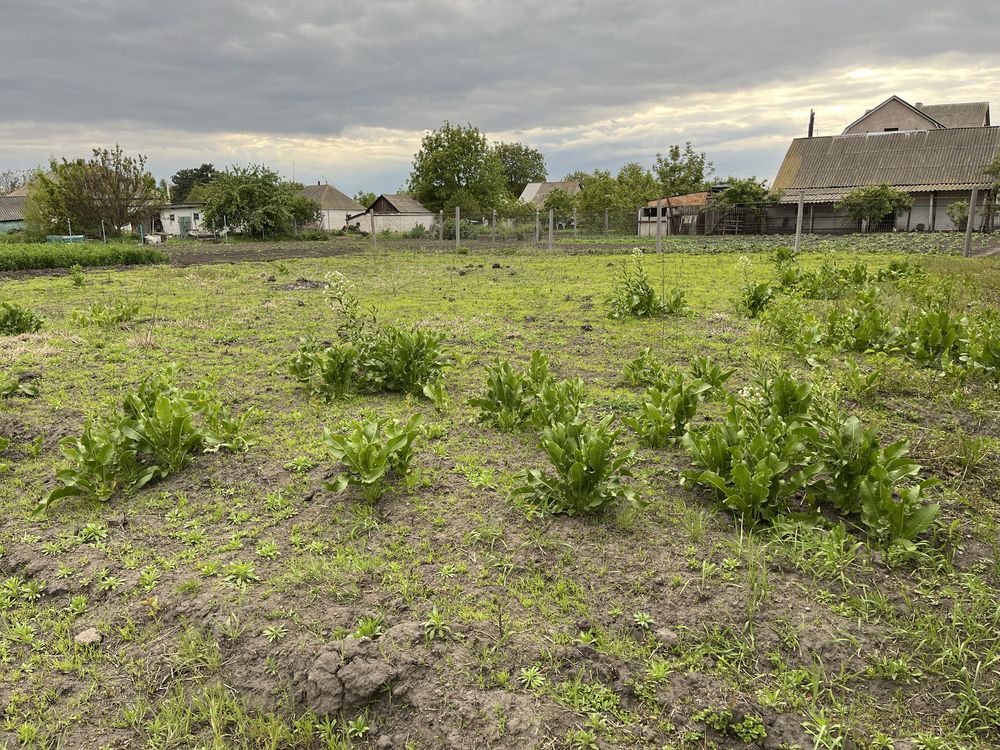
[(502, 500)]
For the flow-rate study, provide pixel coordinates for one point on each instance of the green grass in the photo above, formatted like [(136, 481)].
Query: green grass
[(31, 256), (215, 588)]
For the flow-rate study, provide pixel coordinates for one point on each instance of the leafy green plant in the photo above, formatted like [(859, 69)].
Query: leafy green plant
[(755, 461), (936, 334), (507, 402), (588, 472), (633, 296), (371, 451), (402, 360), (864, 327), (15, 319), (704, 369), (666, 413), (13, 386), (154, 432), (117, 314), (645, 369), (556, 402), (76, 275), (324, 371)]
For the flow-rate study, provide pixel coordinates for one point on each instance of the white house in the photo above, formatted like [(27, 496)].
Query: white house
[(181, 218), (393, 213), (335, 207)]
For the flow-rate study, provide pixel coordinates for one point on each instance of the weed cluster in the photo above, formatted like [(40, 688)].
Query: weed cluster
[(780, 443), (372, 452), (634, 297), (108, 315), (514, 399), (153, 433), (15, 320)]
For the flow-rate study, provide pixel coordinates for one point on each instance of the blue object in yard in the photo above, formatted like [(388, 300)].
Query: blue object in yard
[(65, 238)]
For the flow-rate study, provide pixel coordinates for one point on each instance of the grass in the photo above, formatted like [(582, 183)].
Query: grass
[(216, 588)]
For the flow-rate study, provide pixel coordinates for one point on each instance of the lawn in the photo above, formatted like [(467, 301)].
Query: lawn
[(240, 602)]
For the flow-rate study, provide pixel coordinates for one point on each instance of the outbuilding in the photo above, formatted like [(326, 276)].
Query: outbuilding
[(393, 213)]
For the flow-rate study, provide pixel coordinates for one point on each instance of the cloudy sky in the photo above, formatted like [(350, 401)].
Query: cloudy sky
[(344, 90)]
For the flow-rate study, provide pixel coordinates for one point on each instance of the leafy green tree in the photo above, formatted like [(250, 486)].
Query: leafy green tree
[(365, 198), (110, 186), (185, 180), (681, 172), (872, 202), (256, 200), (520, 164), (577, 175), (456, 167), (635, 186), (560, 201), (746, 191)]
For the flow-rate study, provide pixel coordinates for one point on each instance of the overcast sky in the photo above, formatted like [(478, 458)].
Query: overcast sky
[(344, 90)]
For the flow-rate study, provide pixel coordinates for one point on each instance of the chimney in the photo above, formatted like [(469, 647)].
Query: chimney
[(812, 122), (918, 105), (317, 182)]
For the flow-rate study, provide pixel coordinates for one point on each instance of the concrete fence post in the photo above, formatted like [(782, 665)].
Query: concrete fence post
[(659, 224), (973, 200), (798, 221), (371, 218), (552, 225), (538, 225), (605, 222), (493, 227), (574, 222), (441, 227), (458, 227)]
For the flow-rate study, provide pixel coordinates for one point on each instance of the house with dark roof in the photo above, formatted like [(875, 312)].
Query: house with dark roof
[(535, 193), (12, 212), (936, 153), (393, 213), (335, 207)]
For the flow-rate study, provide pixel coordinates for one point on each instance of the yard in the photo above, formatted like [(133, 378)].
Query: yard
[(241, 602)]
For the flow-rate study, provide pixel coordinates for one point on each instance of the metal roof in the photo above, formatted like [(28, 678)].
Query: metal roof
[(959, 115), (12, 207), (328, 197), (916, 160), (535, 192), (405, 204)]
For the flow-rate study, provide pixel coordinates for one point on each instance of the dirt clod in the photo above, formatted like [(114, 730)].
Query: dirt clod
[(88, 637)]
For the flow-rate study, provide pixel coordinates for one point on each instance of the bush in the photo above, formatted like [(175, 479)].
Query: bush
[(117, 314), (402, 360), (371, 452), (51, 255), (513, 398), (588, 473), (15, 320), (153, 434)]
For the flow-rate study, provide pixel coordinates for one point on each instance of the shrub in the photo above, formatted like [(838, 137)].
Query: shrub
[(15, 320), (666, 413), (864, 327), (371, 452), (324, 371), (152, 434), (936, 334), (588, 473)]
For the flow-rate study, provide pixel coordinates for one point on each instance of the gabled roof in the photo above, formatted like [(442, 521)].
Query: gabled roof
[(12, 207), (959, 115), (688, 199), (404, 204), (931, 122), (328, 197), (535, 192), (916, 161)]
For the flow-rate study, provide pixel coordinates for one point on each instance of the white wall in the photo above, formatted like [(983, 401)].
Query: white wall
[(395, 222), (332, 220), (173, 227)]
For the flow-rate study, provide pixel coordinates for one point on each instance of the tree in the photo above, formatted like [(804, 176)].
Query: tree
[(111, 187), (635, 186), (256, 200), (12, 179), (185, 180), (682, 172), (747, 191), (560, 201), (872, 202), (520, 165), (456, 167), (958, 212), (364, 199)]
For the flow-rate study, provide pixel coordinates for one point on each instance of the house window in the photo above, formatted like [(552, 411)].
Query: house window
[(196, 217)]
